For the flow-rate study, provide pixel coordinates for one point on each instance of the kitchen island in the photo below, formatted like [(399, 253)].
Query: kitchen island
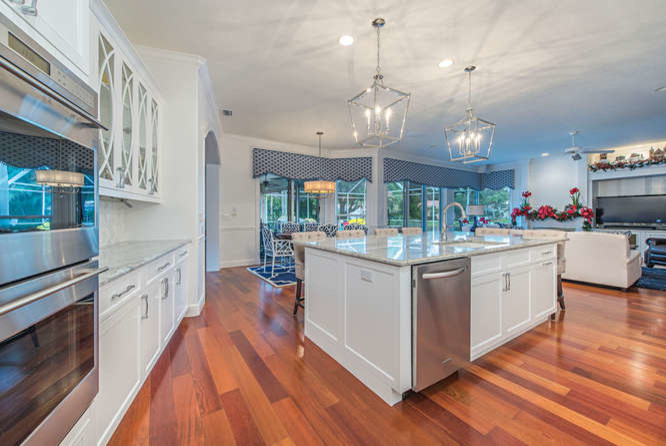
[(361, 299)]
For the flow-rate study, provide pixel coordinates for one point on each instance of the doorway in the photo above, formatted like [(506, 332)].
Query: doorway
[(212, 205)]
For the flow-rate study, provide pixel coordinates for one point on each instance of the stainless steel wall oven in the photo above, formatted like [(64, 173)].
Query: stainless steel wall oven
[(48, 242)]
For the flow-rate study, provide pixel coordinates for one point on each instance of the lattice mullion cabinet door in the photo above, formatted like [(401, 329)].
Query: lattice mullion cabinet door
[(142, 148), (154, 148), (127, 159), (107, 83)]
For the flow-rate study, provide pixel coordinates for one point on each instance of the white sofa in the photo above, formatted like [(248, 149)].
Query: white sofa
[(602, 258)]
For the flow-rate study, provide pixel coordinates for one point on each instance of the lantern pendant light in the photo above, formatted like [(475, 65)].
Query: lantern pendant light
[(320, 186), (378, 113), (470, 139)]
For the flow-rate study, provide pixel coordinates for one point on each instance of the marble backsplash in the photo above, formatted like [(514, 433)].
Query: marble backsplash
[(112, 221)]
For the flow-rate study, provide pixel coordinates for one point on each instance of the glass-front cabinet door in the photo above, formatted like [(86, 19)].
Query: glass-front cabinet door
[(143, 138), (128, 153), (127, 158), (106, 154), (154, 157)]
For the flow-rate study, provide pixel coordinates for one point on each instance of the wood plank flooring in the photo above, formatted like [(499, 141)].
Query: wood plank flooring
[(243, 374)]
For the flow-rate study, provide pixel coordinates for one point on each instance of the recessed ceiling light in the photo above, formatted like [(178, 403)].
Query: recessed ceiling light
[(545, 154), (346, 40), (446, 63)]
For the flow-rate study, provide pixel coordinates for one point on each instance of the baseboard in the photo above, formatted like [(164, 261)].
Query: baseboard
[(239, 262), (194, 310)]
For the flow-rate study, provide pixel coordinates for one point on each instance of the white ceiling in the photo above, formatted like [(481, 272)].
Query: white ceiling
[(544, 68)]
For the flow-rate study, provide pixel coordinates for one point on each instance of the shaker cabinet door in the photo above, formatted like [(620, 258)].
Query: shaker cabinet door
[(150, 325), (516, 302), (486, 311), (542, 289)]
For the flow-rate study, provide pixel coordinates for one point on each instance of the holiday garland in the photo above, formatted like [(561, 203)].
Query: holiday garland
[(570, 212), (656, 157)]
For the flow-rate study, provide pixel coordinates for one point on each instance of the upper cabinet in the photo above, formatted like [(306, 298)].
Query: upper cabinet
[(129, 106), (62, 27)]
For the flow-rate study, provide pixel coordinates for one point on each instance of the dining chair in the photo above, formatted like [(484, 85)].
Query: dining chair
[(411, 231), (299, 260), (386, 232), (289, 227), (350, 234), (329, 229), (275, 248), (355, 227)]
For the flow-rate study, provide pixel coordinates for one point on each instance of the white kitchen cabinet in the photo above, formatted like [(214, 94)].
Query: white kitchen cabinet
[(62, 27), (167, 301), (486, 310), (510, 294), (129, 151), (120, 371), (516, 301), (150, 325), (181, 284), (543, 289)]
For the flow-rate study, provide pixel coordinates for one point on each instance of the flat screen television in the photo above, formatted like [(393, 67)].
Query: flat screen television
[(642, 209)]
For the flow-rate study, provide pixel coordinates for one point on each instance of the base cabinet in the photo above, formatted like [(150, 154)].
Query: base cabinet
[(120, 371), (180, 285), (132, 335), (150, 325), (510, 294)]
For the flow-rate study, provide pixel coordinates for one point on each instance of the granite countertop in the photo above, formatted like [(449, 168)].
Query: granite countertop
[(125, 257), (412, 250)]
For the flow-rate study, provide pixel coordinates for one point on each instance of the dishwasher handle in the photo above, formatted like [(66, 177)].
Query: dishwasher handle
[(444, 274)]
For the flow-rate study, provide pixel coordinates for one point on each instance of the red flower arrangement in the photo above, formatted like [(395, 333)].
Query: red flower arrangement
[(570, 212)]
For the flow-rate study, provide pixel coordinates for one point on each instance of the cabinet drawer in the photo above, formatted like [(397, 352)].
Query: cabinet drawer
[(118, 291), (485, 264), (518, 257), (158, 268), (545, 252), (182, 253)]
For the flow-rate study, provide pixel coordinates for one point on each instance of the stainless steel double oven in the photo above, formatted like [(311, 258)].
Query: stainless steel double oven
[(48, 244)]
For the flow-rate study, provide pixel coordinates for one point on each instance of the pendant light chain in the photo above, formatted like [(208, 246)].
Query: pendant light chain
[(379, 69), (469, 93)]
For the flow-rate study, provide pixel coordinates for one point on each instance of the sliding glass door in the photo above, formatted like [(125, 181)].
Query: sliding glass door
[(308, 206), (275, 201), (415, 207), (395, 204), (432, 209), (350, 206)]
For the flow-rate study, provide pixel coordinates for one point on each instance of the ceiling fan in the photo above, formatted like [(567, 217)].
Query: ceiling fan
[(576, 151)]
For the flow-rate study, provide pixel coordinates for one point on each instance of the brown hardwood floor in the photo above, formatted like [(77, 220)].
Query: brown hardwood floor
[(243, 374)]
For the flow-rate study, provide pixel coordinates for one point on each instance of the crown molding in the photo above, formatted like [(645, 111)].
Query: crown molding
[(111, 27), (176, 57)]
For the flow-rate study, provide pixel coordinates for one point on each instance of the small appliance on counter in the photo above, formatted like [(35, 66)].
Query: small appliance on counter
[(48, 241)]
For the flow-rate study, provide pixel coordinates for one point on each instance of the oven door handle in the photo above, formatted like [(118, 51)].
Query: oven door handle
[(41, 294)]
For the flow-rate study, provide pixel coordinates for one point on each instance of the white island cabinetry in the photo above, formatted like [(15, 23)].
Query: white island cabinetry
[(358, 305)]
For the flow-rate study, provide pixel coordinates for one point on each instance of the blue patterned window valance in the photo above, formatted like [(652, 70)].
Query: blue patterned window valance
[(307, 167), (400, 170)]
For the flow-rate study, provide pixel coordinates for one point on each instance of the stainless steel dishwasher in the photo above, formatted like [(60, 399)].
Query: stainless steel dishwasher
[(440, 320)]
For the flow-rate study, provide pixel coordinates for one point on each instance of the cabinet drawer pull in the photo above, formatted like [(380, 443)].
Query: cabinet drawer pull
[(183, 254), (163, 267), (547, 263), (145, 313), (545, 253), (122, 293)]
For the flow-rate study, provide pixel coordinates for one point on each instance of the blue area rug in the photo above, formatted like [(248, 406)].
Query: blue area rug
[(283, 276), (653, 278)]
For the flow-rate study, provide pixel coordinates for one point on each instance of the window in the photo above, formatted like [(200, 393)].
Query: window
[(415, 197), (275, 198), (432, 217), (307, 205), (497, 204), (350, 206), (395, 204)]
